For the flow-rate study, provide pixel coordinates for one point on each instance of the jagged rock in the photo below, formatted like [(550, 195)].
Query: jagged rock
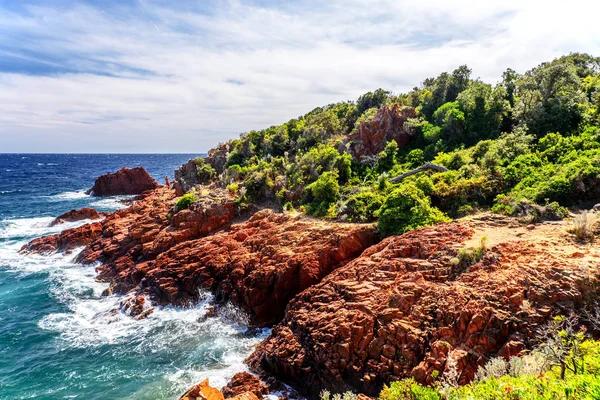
[(124, 181), (66, 241), (78, 215), (217, 157), (259, 264), (388, 124), (186, 177), (243, 382), (202, 391), (403, 308)]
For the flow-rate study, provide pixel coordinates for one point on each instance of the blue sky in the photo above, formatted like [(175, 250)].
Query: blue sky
[(158, 76)]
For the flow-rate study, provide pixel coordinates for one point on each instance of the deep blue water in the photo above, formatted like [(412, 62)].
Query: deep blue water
[(58, 337)]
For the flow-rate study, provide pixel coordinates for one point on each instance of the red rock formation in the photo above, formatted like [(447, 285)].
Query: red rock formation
[(259, 265), (77, 215), (244, 382), (202, 391), (124, 181), (139, 233), (66, 241), (404, 307), (388, 124)]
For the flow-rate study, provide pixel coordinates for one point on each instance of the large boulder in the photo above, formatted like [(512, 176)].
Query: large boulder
[(124, 181)]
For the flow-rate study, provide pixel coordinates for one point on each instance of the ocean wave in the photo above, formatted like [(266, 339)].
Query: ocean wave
[(28, 228), (205, 347), (78, 195), (112, 203)]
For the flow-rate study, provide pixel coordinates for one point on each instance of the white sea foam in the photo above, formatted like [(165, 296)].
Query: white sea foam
[(92, 321), (23, 228), (113, 203), (78, 195)]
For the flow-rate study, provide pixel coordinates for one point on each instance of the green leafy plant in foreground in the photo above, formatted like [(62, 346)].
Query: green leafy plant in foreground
[(185, 201), (565, 366)]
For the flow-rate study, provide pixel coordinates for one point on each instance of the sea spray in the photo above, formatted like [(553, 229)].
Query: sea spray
[(59, 336)]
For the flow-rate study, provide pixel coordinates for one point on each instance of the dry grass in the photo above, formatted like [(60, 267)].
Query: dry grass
[(584, 226)]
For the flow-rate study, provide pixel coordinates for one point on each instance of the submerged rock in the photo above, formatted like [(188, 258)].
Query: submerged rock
[(123, 182)]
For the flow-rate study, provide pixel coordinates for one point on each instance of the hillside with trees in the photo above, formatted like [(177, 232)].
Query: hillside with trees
[(528, 145)]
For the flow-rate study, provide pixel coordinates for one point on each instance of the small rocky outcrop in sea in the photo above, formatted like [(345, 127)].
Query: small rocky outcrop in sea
[(244, 382), (123, 182), (78, 215)]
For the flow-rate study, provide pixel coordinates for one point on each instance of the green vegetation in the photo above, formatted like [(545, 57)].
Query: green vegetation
[(407, 208), (528, 146), (185, 201), (564, 365), (206, 172)]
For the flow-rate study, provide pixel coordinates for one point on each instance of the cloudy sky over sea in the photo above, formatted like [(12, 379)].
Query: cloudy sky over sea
[(158, 76)]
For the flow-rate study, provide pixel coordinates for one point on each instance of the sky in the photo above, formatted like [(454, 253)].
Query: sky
[(106, 76)]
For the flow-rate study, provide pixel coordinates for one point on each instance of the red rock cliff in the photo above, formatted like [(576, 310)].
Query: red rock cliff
[(404, 307)]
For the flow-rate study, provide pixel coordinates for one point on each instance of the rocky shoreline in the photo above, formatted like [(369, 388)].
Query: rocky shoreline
[(349, 311)]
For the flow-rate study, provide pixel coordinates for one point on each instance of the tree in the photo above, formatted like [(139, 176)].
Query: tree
[(483, 107), (561, 344), (548, 98), (376, 99)]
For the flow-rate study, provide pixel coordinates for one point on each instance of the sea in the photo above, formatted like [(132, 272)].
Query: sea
[(59, 338)]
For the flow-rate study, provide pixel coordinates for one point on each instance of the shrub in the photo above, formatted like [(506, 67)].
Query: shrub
[(408, 389), (324, 191), (233, 188), (363, 206), (407, 208), (326, 395), (469, 256), (204, 171), (288, 206), (583, 226), (185, 201)]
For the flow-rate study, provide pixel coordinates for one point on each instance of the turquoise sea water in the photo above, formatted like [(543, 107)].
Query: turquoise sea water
[(59, 339)]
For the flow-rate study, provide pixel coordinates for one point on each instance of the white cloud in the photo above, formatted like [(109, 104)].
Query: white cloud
[(149, 78)]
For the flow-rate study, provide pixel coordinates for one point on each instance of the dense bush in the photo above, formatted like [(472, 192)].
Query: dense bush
[(407, 208), (204, 171), (185, 201), (324, 192), (533, 137), (363, 206)]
